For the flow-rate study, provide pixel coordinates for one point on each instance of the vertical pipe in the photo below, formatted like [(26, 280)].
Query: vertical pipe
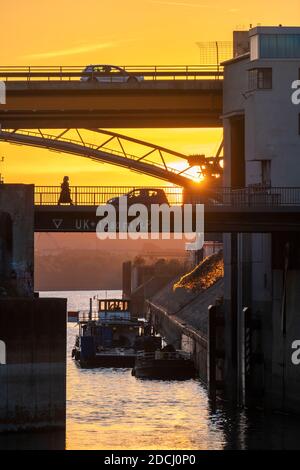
[(211, 352), (91, 309), (247, 356)]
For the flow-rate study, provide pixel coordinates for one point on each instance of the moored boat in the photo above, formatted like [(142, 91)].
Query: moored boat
[(109, 337), (164, 365)]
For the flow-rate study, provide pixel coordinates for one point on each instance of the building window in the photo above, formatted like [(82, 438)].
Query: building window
[(260, 79), (279, 46), (2, 353)]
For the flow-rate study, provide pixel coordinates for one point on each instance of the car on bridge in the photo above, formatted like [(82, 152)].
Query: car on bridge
[(109, 74), (145, 196)]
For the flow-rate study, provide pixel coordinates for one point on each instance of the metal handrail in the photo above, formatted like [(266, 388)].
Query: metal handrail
[(147, 71), (252, 196), (164, 355), (96, 195)]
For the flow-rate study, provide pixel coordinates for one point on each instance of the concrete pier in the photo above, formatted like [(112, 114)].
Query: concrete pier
[(32, 330), (17, 201), (32, 364)]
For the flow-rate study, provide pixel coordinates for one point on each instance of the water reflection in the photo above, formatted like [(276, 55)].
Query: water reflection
[(111, 410), (255, 430)]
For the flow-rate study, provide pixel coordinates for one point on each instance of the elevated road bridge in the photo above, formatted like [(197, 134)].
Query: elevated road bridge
[(67, 97), (248, 210)]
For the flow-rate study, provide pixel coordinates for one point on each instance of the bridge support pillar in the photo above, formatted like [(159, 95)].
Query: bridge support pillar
[(33, 367), (32, 330), (17, 201), (231, 320)]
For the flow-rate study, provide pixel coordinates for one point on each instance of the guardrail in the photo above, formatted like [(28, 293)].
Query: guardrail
[(162, 355), (86, 315), (252, 196), (149, 72), (97, 195)]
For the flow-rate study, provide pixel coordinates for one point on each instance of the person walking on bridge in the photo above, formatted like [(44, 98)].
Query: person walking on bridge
[(65, 194)]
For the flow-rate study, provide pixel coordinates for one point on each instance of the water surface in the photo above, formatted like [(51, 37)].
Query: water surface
[(110, 409)]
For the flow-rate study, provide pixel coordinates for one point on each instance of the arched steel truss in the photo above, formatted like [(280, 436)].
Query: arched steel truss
[(103, 151)]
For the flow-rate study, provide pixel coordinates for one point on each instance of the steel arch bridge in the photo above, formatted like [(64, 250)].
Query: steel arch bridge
[(149, 159)]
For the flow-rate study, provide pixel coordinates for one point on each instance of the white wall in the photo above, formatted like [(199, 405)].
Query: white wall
[(2, 353), (272, 126), (271, 121)]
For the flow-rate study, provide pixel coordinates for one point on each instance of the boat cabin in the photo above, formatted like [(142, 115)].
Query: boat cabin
[(112, 327)]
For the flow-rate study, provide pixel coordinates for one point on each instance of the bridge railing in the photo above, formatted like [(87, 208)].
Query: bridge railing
[(97, 195), (252, 196), (148, 72)]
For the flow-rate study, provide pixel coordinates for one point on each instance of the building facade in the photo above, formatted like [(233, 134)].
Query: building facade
[(262, 271)]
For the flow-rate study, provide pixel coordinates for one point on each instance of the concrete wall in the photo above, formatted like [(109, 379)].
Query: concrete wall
[(272, 120), (181, 336), (273, 126), (144, 292), (17, 200), (33, 380), (284, 390), (5, 251)]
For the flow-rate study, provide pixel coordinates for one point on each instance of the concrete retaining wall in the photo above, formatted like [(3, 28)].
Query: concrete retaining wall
[(33, 378), (182, 336)]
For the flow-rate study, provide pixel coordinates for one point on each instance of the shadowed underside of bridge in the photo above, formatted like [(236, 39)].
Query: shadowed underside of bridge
[(216, 219), (159, 103), (151, 160)]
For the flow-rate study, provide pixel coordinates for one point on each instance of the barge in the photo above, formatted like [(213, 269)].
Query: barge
[(108, 337), (164, 365)]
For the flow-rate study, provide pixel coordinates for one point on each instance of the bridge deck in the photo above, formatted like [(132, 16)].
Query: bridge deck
[(248, 210), (181, 102), (216, 219), (144, 72)]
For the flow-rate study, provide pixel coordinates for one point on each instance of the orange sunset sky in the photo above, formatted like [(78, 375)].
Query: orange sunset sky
[(120, 32)]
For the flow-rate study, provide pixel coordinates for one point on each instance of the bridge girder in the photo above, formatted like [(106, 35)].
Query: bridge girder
[(158, 168)]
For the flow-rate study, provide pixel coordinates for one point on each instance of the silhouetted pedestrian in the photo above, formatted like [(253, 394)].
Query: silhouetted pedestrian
[(65, 195)]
